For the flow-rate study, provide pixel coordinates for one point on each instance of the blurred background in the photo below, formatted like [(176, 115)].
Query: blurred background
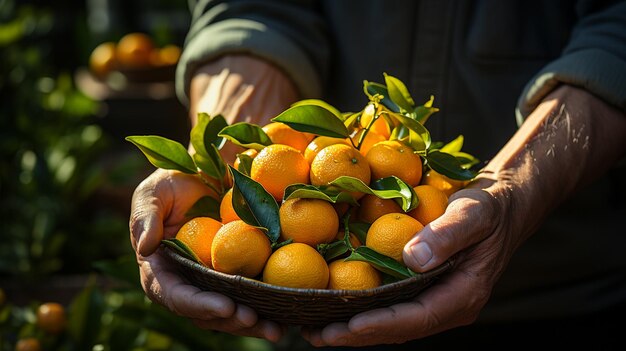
[(76, 77)]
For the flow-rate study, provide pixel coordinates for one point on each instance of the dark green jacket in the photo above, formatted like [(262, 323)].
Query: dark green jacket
[(483, 61)]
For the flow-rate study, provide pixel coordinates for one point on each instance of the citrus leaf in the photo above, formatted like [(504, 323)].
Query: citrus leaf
[(399, 93), (466, 160), (414, 126), (453, 146), (360, 230), (212, 164), (408, 201), (333, 250), (448, 165), (247, 135), (423, 112), (206, 131), (397, 191), (371, 89), (181, 248), (351, 119), (245, 164), (164, 153), (313, 119), (321, 103), (307, 191), (254, 205), (381, 262), (206, 206)]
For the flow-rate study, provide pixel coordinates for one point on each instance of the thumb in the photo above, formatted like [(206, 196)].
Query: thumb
[(465, 222), (146, 217)]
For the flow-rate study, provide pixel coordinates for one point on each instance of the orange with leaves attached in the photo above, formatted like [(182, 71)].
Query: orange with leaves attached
[(339, 160)]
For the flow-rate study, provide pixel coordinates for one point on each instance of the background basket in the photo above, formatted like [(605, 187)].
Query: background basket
[(304, 307)]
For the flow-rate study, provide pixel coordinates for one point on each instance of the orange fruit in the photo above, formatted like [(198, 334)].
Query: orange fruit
[(441, 182), (51, 317), (103, 59), (389, 233), (134, 50), (250, 152), (339, 160), (278, 166), (239, 248), (354, 241), (28, 344), (308, 221), (318, 144), (198, 234), (372, 207), (168, 55), (432, 204), (296, 265), (227, 212), (392, 157), (353, 275), (281, 133), (380, 126), (371, 138)]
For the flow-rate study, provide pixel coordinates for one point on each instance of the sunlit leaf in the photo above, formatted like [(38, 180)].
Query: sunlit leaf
[(453, 146), (247, 135), (423, 112), (321, 103), (448, 165), (245, 163), (307, 191), (414, 126), (313, 119), (164, 153), (181, 248), (399, 93), (371, 89), (397, 189), (381, 262), (408, 201)]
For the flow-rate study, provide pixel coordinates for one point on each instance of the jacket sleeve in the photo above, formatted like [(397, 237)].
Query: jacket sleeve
[(289, 34), (594, 59)]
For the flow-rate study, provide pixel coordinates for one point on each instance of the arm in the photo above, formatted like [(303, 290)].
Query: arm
[(239, 87), (571, 138)]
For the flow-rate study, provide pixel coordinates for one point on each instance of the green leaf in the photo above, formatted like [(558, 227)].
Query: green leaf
[(351, 119), (84, 317), (399, 189), (213, 164), (322, 104), (333, 250), (466, 160), (254, 205), (313, 119), (399, 93), (181, 248), (245, 164), (206, 206), (381, 262), (371, 89), (453, 146), (306, 191), (423, 112), (408, 201), (164, 153), (414, 126), (448, 165), (360, 230), (247, 135), (206, 131)]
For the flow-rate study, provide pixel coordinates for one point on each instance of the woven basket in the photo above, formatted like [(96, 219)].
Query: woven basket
[(303, 307)]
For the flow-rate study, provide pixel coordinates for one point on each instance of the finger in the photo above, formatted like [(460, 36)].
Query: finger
[(262, 329), (146, 218), (462, 225)]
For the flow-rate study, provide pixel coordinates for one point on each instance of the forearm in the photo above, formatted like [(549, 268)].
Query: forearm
[(570, 139)]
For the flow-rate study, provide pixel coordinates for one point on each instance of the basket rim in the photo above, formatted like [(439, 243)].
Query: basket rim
[(419, 278)]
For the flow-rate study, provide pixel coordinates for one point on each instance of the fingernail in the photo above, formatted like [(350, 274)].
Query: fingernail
[(421, 253)]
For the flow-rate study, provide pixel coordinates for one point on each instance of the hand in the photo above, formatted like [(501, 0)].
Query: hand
[(569, 139), (158, 207)]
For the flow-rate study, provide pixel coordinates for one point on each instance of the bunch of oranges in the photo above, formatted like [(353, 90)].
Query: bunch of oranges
[(307, 225), (133, 51)]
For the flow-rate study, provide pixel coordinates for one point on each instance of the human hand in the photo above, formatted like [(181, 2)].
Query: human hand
[(158, 211)]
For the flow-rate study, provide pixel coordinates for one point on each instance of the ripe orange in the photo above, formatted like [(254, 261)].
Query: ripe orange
[(443, 183), (432, 204), (392, 157), (281, 133), (354, 241), (103, 59), (389, 233), (278, 166), (353, 275), (308, 221), (28, 344), (296, 265), (198, 234), (239, 248), (339, 160), (318, 144), (250, 152), (372, 207), (370, 139), (227, 212), (380, 126), (134, 50), (51, 317), (167, 55)]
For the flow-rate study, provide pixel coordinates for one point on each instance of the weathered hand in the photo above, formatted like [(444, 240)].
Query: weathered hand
[(158, 207)]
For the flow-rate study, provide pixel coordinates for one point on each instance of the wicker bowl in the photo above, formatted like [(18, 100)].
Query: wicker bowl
[(303, 307)]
